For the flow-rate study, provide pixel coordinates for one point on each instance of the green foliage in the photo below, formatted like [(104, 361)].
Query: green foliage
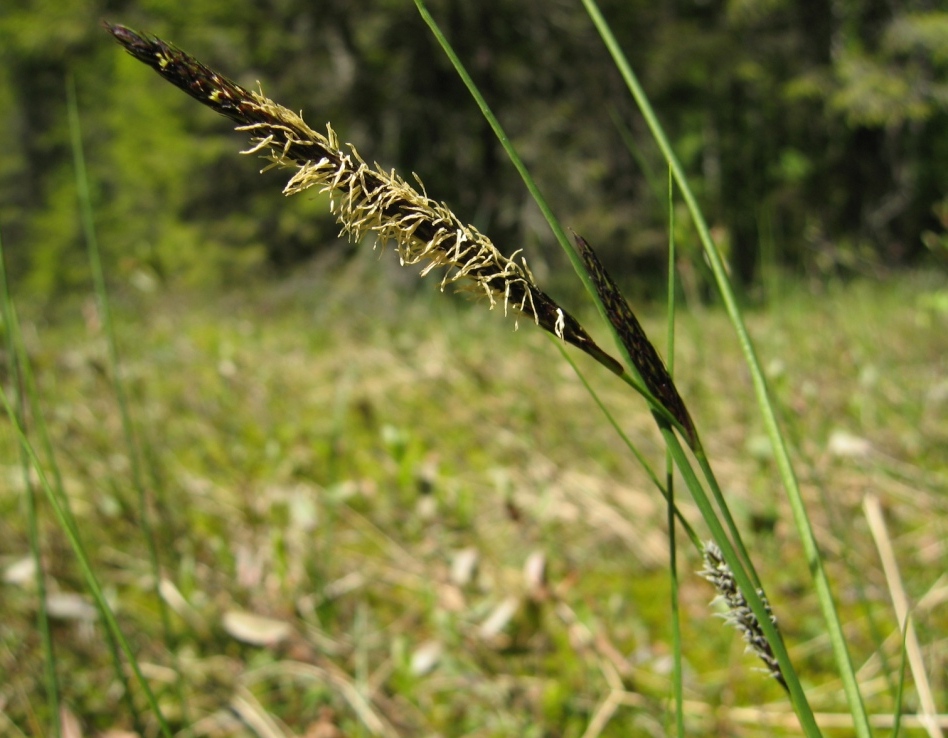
[(279, 409), (860, 96), (922, 35), (937, 241), (900, 82)]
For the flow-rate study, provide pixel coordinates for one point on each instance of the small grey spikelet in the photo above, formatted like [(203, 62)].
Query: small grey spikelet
[(738, 612)]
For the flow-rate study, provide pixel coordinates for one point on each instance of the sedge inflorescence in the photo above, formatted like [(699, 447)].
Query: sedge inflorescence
[(366, 200), (738, 612), (370, 200)]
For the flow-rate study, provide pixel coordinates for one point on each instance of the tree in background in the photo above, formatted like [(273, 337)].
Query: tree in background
[(820, 126)]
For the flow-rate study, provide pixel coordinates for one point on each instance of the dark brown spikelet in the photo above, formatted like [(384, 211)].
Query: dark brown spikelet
[(643, 353), (365, 199)]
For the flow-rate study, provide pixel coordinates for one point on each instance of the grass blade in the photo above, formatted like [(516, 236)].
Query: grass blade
[(17, 359), (899, 699), (677, 674), (85, 565), (662, 416), (131, 445), (735, 558), (788, 476)]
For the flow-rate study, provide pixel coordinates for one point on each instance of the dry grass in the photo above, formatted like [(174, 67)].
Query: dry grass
[(437, 534)]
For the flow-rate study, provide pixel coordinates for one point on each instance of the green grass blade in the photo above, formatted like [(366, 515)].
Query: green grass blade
[(731, 556), (805, 531), (670, 480), (746, 584), (900, 696), (558, 231), (85, 565), (17, 358), (661, 416), (734, 560), (42, 432), (128, 429), (643, 462)]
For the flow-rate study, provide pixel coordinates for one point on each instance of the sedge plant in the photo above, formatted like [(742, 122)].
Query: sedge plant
[(370, 201), (768, 413)]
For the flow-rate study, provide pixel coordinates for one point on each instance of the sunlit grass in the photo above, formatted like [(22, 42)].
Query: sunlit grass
[(323, 462)]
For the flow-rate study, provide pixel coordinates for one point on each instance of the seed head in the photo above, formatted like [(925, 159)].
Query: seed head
[(643, 354), (738, 612), (365, 199)]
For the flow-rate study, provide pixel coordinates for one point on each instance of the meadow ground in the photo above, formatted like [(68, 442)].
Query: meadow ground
[(397, 517)]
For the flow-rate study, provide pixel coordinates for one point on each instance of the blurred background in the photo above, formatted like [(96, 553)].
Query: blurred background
[(816, 134)]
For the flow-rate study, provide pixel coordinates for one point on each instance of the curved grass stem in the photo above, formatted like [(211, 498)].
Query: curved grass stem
[(768, 413)]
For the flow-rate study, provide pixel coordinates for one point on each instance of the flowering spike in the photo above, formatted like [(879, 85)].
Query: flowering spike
[(641, 351), (738, 612), (365, 199)]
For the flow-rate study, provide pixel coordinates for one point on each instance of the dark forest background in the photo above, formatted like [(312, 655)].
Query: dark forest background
[(815, 133)]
